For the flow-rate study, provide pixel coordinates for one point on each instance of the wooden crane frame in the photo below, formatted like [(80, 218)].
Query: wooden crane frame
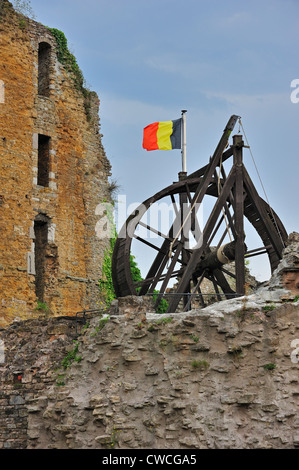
[(236, 198)]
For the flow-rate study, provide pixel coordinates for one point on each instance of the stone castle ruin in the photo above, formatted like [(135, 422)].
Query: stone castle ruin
[(53, 172), (220, 377)]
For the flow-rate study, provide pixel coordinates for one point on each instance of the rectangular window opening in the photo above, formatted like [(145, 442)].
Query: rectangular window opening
[(44, 57), (41, 240), (43, 160)]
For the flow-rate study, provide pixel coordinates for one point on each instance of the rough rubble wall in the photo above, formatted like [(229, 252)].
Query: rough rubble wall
[(180, 381), (78, 173), (199, 380), (30, 351)]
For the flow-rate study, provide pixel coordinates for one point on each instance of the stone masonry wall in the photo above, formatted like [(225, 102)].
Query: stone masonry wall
[(78, 172), (30, 351), (197, 380)]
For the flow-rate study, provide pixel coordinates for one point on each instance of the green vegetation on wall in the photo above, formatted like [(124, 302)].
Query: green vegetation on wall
[(106, 284), (68, 60)]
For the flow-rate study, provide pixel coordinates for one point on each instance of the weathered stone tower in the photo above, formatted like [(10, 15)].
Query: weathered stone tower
[(53, 174)]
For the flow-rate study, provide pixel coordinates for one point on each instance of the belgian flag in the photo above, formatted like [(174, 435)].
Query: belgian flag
[(164, 135)]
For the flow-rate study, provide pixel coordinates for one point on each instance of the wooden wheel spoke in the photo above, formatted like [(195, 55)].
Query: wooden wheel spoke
[(157, 232), (168, 276), (151, 245), (161, 278), (258, 251), (215, 284), (223, 283), (228, 273)]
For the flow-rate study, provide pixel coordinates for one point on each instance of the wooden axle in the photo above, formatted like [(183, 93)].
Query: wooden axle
[(216, 259)]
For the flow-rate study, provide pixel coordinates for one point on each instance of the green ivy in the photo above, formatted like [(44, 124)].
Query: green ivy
[(71, 356), (42, 306), (106, 283), (135, 271), (68, 60), (163, 305), (270, 366)]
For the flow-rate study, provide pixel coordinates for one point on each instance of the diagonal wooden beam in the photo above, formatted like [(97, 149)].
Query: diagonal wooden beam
[(223, 283), (215, 160)]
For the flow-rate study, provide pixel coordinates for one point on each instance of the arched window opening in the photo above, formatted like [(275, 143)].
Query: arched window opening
[(44, 57)]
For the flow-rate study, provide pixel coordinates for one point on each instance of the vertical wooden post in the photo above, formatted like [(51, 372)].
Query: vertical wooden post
[(185, 258), (239, 215)]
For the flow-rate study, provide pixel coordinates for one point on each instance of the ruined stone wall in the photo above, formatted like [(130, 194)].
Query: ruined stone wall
[(30, 352), (222, 377), (56, 112)]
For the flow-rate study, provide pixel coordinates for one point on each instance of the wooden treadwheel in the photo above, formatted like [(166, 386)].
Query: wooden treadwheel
[(183, 247)]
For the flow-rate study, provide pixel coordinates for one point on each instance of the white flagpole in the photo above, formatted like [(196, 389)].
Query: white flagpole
[(184, 144)]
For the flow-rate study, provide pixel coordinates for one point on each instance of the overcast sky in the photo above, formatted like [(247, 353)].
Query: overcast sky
[(149, 59)]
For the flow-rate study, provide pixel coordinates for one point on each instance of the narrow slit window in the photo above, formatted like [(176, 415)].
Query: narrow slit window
[(41, 240), (44, 56), (43, 160)]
